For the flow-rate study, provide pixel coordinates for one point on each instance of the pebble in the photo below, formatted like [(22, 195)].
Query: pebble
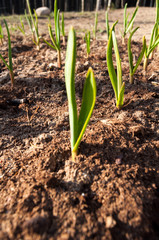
[(42, 11), (110, 222)]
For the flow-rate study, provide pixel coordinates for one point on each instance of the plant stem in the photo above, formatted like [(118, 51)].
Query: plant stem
[(123, 40), (38, 47), (59, 59), (151, 55), (131, 79), (119, 107), (145, 63), (12, 78), (33, 36), (74, 154), (64, 41)]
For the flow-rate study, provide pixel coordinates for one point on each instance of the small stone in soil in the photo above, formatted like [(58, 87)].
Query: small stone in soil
[(110, 222), (118, 160)]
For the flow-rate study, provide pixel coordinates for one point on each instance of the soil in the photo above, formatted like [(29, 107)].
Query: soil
[(111, 191)]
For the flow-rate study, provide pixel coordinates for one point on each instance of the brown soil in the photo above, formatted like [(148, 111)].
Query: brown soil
[(112, 190)]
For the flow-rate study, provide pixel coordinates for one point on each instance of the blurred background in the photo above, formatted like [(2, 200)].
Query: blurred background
[(18, 6)]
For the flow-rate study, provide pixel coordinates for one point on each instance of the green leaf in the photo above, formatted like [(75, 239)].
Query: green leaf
[(111, 70), (36, 26), (130, 24), (88, 103), (125, 17), (141, 56), (130, 56), (116, 81), (153, 47), (55, 13), (130, 52), (57, 24), (49, 44), (20, 29), (70, 85), (157, 16), (1, 31), (9, 48), (120, 100), (118, 60), (63, 25), (22, 24), (87, 39), (152, 36), (31, 16), (52, 37), (33, 22), (154, 41), (4, 62), (58, 30), (29, 21)]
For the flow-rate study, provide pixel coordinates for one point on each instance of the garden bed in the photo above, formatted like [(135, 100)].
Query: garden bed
[(111, 191)]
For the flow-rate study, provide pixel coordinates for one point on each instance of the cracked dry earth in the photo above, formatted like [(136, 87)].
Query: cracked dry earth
[(112, 190)]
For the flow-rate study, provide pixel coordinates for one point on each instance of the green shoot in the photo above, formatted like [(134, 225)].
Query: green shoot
[(88, 39), (157, 16), (134, 68), (116, 80), (154, 41), (33, 24), (55, 40), (1, 35), (54, 46), (10, 65), (21, 28), (128, 25), (79, 123), (95, 25), (107, 23), (63, 29), (28, 18)]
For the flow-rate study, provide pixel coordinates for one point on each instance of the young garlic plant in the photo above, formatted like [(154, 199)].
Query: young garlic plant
[(63, 29), (131, 66), (154, 41), (128, 25), (10, 65), (116, 80), (1, 35), (95, 25), (28, 18), (88, 40), (33, 24), (21, 28), (157, 17), (157, 28), (55, 40), (79, 123)]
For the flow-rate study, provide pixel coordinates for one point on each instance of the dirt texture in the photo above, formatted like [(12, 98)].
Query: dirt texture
[(111, 191)]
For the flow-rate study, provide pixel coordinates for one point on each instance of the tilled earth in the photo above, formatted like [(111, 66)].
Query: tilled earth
[(111, 191)]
